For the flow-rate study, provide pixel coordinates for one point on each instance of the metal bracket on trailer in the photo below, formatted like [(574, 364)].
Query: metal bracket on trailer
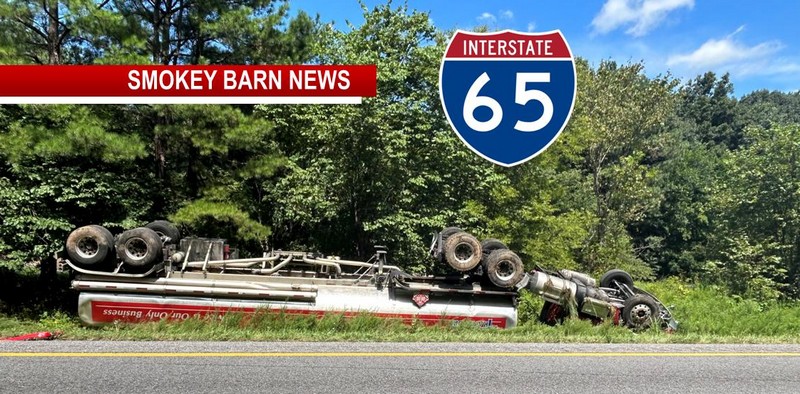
[(155, 268)]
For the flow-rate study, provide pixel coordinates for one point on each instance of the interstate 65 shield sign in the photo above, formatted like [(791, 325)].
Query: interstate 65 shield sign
[(508, 95)]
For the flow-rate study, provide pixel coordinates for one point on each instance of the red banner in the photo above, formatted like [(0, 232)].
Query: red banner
[(507, 45), (148, 84)]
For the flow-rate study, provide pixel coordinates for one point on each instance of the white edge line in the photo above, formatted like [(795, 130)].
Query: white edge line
[(181, 100)]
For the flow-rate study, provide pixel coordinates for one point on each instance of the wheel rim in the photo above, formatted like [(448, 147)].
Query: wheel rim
[(463, 252), (136, 249), (505, 270), (87, 247), (641, 314)]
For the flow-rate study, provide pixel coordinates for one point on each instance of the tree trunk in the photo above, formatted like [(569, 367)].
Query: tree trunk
[(53, 38), (165, 32), (156, 49)]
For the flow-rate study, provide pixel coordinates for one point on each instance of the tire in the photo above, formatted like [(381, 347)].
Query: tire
[(489, 245), (639, 312), (607, 280), (139, 248), (90, 246), (462, 251), (448, 231), (165, 229), (504, 268)]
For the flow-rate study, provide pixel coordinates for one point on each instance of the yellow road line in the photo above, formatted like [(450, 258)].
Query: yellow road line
[(398, 354)]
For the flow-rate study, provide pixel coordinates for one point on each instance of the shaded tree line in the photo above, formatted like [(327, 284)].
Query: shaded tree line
[(652, 175)]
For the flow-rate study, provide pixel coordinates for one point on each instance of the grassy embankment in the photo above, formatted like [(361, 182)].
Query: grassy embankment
[(706, 316)]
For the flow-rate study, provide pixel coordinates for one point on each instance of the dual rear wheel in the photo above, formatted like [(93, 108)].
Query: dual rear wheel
[(94, 247), (463, 252)]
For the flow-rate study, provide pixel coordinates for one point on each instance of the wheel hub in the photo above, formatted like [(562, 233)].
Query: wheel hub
[(136, 248), (87, 247), (641, 314), (505, 270), (463, 252)]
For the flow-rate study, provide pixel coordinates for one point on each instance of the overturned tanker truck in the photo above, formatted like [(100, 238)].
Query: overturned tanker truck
[(151, 273)]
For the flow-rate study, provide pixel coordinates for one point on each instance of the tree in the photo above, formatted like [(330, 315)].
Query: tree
[(63, 166), (389, 171), (674, 236), (622, 110), (224, 156), (758, 206), (133, 158), (765, 109), (709, 103), (54, 31)]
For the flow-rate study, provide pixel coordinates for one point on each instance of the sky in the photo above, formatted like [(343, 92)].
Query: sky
[(757, 42)]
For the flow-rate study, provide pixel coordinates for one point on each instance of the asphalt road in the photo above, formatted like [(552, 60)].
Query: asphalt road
[(236, 367)]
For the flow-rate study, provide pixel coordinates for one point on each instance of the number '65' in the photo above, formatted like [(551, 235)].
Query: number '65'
[(521, 97)]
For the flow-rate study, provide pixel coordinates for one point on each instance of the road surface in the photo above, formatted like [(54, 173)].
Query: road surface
[(236, 367)]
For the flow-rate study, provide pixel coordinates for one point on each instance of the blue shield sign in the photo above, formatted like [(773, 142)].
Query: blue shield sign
[(508, 95)]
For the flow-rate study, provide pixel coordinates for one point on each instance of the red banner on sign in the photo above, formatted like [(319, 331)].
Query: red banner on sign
[(508, 45), (148, 84)]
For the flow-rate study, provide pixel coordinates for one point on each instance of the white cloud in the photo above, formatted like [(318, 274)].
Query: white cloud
[(531, 26), (720, 52), (725, 51), (643, 15), (486, 17), (731, 55), (507, 14)]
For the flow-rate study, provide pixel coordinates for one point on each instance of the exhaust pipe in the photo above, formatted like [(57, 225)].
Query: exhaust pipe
[(578, 277)]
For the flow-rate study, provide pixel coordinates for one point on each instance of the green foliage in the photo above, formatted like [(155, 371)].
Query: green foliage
[(388, 171), (120, 166), (708, 102), (706, 311), (764, 109), (752, 271), (648, 176), (529, 307), (616, 145), (757, 206), (26, 294), (221, 219), (675, 234), (41, 202), (67, 132)]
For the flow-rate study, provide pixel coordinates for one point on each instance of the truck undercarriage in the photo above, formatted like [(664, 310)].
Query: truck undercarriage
[(151, 273)]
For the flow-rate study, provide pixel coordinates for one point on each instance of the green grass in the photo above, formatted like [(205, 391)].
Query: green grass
[(706, 316)]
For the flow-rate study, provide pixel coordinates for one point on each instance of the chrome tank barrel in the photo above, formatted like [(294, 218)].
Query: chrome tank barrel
[(553, 289), (587, 299)]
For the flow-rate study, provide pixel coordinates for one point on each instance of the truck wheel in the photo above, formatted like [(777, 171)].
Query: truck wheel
[(462, 251), (607, 280), (504, 268), (448, 231), (640, 311), (90, 245), (139, 248), (489, 245), (165, 229)]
